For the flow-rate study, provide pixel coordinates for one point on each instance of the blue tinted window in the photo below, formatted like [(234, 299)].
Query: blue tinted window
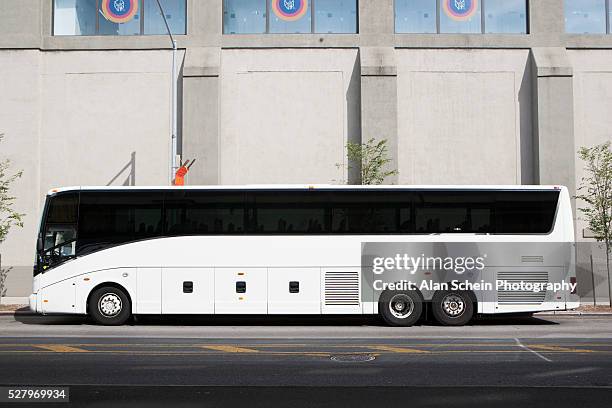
[(175, 15), (585, 16), (73, 17), (244, 16), (83, 17), (415, 16), (336, 16), (290, 16), (460, 16), (505, 16)]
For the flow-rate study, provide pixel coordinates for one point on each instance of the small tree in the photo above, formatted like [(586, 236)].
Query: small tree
[(596, 190), (372, 159), (8, 216)]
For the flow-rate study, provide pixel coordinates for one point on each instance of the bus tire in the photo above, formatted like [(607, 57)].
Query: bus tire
[(400, 308), (109, 306), (452, 307)]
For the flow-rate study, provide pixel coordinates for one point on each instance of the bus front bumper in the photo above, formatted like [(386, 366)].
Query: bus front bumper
[(33, 299)]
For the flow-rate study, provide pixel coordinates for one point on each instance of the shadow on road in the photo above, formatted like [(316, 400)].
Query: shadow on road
[(264, 321)]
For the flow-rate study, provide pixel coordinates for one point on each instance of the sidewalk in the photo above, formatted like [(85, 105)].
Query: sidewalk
[(584, 310)]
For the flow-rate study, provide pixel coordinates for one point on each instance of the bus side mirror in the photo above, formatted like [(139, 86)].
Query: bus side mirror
[(39, 243)]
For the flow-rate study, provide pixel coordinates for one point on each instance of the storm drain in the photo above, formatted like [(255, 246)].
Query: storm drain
[(352, 358)]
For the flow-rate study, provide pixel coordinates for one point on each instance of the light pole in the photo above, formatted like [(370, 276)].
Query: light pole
[(174, 139)]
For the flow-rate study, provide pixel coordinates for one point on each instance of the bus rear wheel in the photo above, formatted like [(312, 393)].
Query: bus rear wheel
[(109, 306), (452, 308), (400, 308)]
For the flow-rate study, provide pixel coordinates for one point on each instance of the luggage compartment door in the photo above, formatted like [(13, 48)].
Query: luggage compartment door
[(241, 290), (294, 290), (188, 291)]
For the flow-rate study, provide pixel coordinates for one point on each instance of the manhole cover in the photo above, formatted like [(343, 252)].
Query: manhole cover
[(353, 358)]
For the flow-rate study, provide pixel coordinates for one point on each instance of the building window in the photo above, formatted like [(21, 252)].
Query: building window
[(241, 17), (89, 17), (587, 16), (415, 16), (505, 16), (175, 16), (336, 16), (461, 16), (289, 16)]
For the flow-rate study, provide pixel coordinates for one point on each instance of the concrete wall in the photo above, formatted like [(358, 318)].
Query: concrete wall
[(285, 117), (489, 109), (79, 118), (464, 117), (592, 88), (20, 112)]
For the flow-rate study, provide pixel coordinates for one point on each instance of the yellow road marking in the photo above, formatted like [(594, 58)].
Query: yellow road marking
[(398, 349), (544, 347), (285, 345), (60, 348), (282, 353), (230, 349)]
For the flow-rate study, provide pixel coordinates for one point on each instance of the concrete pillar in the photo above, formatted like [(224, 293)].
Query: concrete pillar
[(546, 17), (376, 22), (379, 99), (378, 75), (553, 105), (200, 122)]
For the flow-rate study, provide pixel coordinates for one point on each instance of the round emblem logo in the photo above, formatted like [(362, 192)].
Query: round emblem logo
[(290, 10), (460, 10), (119, 11)]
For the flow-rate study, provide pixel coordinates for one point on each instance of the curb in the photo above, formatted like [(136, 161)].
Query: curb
[(563, 313), (573, 314), (17, 312)]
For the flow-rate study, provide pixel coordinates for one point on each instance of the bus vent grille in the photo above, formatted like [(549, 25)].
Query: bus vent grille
[(532, 258), (341, 288), (521, 297)]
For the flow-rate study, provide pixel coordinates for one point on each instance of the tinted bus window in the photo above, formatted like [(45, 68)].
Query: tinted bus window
[(530, 212), (453, 212), (112, 218), (204, 213), (59, 229), (373, 212), (288, 212), (63, 208)]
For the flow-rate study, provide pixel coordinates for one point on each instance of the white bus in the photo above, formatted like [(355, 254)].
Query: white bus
[(114, 252)]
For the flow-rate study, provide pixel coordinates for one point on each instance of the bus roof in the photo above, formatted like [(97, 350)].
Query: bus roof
[(281, 187)]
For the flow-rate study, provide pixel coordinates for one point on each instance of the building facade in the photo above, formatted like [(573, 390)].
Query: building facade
[(270, 91)]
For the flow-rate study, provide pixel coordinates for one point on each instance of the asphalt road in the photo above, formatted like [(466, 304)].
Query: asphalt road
[(552, 361)]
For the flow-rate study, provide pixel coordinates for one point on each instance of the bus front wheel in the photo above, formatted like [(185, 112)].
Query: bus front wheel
[(452, 308), (400, 308), (109, 306)]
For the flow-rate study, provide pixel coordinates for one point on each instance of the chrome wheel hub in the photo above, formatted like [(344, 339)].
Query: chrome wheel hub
[(110, 305), (401, 306), (453, 305)]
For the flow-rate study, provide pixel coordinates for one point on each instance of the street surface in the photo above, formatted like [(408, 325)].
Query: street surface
[(302, 361)]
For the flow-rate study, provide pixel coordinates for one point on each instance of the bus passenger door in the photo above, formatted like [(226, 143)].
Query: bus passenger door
[(188, 291), (241, 290)]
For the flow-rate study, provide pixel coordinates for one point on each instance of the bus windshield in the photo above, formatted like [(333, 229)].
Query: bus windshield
[(57, 237)]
